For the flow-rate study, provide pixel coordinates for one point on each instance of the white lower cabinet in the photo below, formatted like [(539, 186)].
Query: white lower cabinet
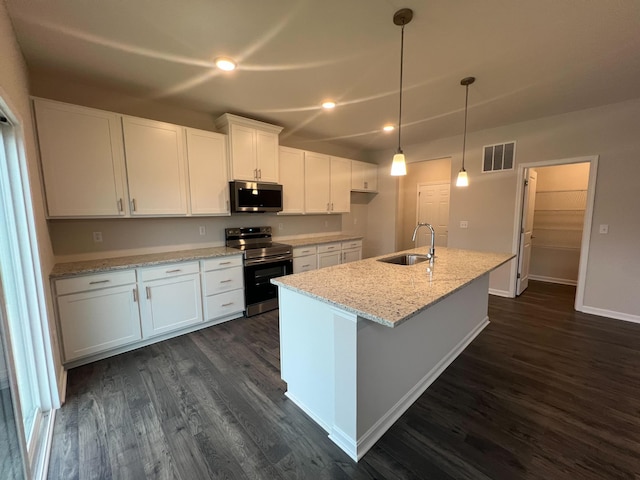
[(97, 313), (171, 298), (305, 259), (351, 251), (223, 287), (329, 254)]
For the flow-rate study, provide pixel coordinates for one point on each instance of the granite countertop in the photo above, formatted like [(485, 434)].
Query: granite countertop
[(390, 294), (303, 242), (120, 263)]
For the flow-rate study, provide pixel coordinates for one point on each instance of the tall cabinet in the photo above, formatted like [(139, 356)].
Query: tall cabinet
[(327, 183), (253, 148)]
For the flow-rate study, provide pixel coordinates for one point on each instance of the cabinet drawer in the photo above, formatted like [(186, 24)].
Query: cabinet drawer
[(218, 281), (329, 247), (307, 250), (169, 270), (216, 306), (352, 244), (304, 264), (93, 282), (222, 262)]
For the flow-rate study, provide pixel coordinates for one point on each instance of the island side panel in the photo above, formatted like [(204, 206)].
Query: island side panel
[(307, 355), (396, 365)]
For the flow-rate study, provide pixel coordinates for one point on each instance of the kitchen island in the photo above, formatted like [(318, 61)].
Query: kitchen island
[(360, 342)]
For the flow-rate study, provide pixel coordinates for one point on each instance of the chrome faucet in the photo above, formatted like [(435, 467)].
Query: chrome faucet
[(432, 250)]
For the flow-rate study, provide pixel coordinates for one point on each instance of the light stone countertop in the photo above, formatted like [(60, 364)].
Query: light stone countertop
[(303, 242), (120, 263), (391, 294)]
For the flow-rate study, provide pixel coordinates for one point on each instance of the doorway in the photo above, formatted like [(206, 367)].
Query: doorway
[(564, 210), (433, 208)]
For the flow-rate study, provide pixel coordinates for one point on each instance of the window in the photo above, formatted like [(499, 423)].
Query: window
[(499, 157)]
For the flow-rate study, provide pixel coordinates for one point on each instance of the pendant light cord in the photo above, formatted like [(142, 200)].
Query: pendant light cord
[(400, 112), (464, 138)]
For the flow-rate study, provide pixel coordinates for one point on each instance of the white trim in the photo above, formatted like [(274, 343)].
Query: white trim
[(345, 442), (371, 436), (325, 426), (500, 293), (561, 281), (627, 317), (586, 229)]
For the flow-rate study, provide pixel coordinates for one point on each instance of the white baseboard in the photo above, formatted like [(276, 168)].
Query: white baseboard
[(345, 442), (562, 281), (308, 411), (627, 317), (371, 436), (500, 293)]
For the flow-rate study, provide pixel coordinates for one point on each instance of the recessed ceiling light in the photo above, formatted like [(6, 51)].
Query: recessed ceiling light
[(388, 128), (225, 63), (328, 105)]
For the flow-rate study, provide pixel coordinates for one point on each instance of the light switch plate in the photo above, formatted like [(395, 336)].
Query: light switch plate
[(97, 237), (203, 230), (604, 228)]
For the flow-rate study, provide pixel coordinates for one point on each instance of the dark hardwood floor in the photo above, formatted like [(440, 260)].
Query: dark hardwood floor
[(542, 393)]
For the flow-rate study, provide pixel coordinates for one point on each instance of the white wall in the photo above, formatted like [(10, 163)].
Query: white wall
[(488, 204), (14, 91)]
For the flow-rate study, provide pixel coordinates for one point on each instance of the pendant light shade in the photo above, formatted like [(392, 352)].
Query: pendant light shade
[(463, 178), (399, 165)]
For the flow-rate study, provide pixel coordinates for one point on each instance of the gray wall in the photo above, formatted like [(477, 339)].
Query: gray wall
[(488, 204)]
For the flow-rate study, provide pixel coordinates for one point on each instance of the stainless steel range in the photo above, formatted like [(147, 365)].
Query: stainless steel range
[(263, 260)]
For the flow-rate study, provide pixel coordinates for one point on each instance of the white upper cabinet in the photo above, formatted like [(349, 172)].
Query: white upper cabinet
[(82, 160), (317, 183), (292, 179), (364, 176), (340, 185), (327, 183), (208, 179), (155, 160), (253, 148)]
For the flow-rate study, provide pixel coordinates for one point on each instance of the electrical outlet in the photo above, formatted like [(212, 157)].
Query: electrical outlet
[(280, 226), (464, 224), (97, 237), (326, 223), (355, 221), (604, 228), (203, 230)]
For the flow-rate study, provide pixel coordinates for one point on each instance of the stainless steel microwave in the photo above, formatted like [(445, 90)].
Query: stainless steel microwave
[(247, 197)]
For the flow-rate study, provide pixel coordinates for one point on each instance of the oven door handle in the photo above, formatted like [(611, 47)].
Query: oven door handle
[(267, 260)]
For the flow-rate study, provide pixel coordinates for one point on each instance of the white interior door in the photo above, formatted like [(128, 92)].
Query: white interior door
[(433, 208), (526, 230)]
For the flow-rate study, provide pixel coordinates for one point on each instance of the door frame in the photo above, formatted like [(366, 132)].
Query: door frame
[(592, 160)]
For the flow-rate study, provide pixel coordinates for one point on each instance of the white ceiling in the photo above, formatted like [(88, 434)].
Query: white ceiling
[(531, 58)]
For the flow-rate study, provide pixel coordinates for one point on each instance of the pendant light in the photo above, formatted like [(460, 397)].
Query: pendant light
[(463, 179), (399, 165)]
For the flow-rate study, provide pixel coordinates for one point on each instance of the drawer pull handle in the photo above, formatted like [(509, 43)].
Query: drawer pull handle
[(330, 248), (148, 292), (224, 263), (226, 281), (174, 271), (135, 294), (305, 266), (96, 282), (226, 304)]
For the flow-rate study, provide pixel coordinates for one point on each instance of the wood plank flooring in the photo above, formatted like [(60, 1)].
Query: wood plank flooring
[(543, 393)]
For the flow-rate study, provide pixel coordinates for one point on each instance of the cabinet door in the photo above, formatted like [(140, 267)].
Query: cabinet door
[(154, 154), (340, 185), (292, 179), (99, 320), (317, 182), (351, 255), (170, 304), (208, 179), (370, 177), (267, 156), (82, 160), (242, 153), (329, 259), (357, 175), (305, 264)]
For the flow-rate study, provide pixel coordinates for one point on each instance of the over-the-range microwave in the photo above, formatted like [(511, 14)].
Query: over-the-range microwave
[(247, 197)]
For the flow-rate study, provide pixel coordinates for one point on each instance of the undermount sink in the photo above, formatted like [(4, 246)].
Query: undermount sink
[(406, 259)]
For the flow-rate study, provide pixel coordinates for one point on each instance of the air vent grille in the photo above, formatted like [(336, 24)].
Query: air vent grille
[(499, 157)]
